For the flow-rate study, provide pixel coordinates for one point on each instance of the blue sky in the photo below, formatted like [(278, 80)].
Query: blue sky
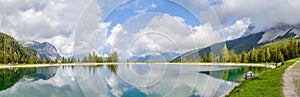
[(124, 12)]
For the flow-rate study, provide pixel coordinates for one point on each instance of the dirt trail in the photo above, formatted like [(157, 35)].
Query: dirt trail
[(291, 78)]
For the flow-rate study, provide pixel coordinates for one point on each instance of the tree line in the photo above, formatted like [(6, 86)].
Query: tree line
[(276, 52), (92, 58)]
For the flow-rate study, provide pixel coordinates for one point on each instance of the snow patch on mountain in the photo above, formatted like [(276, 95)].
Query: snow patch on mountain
[(279, 31), (44, 50)]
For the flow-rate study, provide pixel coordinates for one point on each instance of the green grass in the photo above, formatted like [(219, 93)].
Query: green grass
[(266, 84)]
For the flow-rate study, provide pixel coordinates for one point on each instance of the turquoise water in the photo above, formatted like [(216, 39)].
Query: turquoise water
[(121, 81)]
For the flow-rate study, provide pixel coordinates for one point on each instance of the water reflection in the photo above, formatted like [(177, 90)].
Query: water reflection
[(8, 77), (122, 80), (235, 74), (41, 73)]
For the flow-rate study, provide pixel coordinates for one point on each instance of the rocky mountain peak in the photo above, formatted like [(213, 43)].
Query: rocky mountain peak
[(44, 50)]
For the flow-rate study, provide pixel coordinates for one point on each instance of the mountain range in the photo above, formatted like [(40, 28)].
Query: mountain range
[(157, 57), (248, 41)]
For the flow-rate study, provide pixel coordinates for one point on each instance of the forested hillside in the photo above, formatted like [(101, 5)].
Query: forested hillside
[(276, 51), (12, 52)]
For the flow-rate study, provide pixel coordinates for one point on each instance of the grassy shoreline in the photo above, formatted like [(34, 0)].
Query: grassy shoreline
[(268, 83)]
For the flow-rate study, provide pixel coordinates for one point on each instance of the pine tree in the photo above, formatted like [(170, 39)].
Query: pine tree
[(46, 61), (114, 57), (268, 55), (204, 57), (183, 59), (200, 60), (84, 60), (1, 57), (30, 60), (195, 59), (109, 59), (63, 60), (280, 57), (6, 59), (99, 60), (94, 57), (224, 54), (274, 55), (292, 47), (39, 61), (253, 56), (73, 59), (78, 60), (244, 57), (237, 59), (90, 58), (262, 56), (210, 57)]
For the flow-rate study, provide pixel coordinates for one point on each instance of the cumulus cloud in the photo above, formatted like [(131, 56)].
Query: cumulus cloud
[(42, 20), (237, 29), (32, 19), (263, 13), (163, 33), (87, 28), (91, 31)]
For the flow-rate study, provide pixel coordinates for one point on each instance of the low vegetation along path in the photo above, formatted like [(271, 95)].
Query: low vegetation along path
[(291, 79)]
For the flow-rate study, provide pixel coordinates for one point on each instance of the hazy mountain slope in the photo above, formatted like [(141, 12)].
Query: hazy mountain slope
[(279, 32), (247, 42), (239, 45), (158, 57)]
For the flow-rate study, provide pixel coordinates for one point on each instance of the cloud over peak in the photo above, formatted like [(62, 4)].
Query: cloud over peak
[(263, 13)]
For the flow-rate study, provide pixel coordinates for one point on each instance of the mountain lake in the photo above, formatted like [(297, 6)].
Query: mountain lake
[(122, 80)]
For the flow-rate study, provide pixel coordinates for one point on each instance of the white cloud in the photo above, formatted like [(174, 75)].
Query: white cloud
[(237, 29), (114, 32), (42, 20), (87, 27), (153, 5), (49, 20), (91, 31), (164, 33), (262, 13)]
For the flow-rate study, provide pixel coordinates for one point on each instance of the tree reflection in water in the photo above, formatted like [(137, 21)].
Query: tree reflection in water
[(236, 74), (8, 77)]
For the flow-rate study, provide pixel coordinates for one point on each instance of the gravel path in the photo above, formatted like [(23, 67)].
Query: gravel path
[(291, 78)]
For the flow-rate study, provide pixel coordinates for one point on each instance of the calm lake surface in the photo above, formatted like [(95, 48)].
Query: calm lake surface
[(121, 81)]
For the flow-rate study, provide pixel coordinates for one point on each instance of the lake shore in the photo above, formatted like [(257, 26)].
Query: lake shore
[(268, 83), (2, 66)]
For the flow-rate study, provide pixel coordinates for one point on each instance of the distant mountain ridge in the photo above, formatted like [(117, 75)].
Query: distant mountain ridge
[(158, 57), (44, 50), (247, 41)]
